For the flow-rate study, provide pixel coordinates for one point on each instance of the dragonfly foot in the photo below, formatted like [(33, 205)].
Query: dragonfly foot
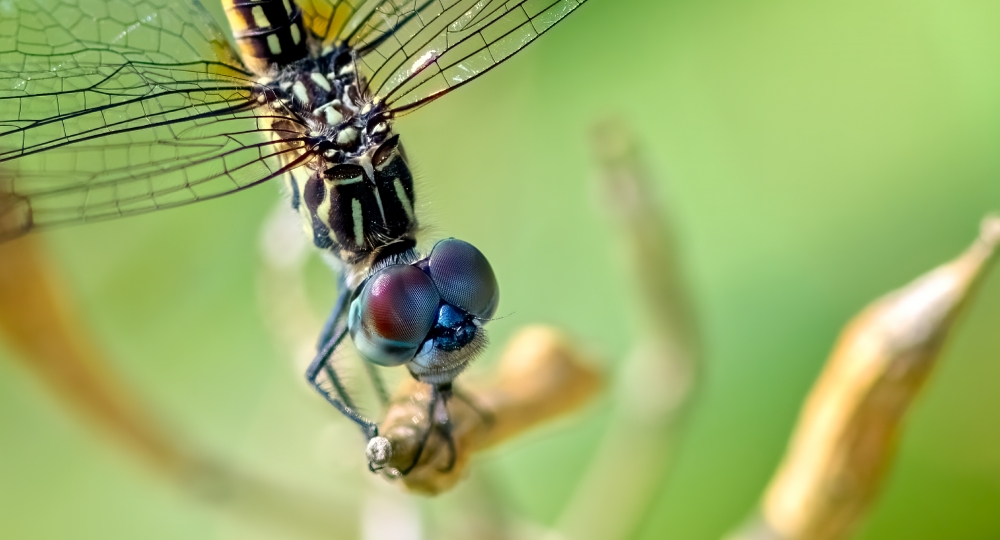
[(379, 452), (450, 441)]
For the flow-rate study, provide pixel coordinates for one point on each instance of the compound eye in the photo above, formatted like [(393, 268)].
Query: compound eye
[(392, 316), (464, 277)]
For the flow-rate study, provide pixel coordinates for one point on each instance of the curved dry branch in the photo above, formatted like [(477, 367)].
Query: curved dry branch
[(39, 324), (845, 438)]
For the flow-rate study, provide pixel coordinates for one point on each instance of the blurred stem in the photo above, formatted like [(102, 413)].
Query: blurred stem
[(846, 436), (541, 375), (40, 326), (629, 195), (657, 382)]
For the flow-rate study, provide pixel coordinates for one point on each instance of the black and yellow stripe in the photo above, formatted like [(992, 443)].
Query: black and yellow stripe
[(354, 215), (268, 32)]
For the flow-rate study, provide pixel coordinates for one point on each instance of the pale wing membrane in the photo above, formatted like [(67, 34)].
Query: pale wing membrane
[(326, 19), (115, 108), (49, 109), (217, 148), (414, 51), (35, 34), (353, 21)]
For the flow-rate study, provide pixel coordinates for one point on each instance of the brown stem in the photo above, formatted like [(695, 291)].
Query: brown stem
[(846, 435), (541, 376)]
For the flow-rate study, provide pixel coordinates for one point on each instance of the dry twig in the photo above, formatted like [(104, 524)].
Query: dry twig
[(658, 379), (40, 326), (846, 434), (541, 376)]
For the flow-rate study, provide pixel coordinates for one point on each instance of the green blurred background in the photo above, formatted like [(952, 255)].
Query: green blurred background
[(813, 155)]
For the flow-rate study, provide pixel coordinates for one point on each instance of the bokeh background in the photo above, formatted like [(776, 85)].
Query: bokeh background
[(812, 156)]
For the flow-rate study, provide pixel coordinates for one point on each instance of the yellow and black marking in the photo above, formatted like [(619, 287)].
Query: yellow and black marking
[(350, 182), (356, 216), (268, 32)]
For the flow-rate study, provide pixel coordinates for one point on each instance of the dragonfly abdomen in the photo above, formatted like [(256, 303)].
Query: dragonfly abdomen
[(268, 32)]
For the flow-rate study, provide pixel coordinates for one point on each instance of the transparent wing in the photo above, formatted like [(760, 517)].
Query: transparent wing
[(36, 34), (412, 52), (353, 21), (325, 19), (115, 108)]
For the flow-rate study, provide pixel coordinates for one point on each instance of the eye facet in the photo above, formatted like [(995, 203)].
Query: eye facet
[(464, 277), (392, 316)]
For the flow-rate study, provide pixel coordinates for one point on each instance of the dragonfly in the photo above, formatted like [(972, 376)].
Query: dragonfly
[(110, 108)]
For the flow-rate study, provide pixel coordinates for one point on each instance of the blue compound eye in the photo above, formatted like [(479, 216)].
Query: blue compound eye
[(464, 277), (393, 315)]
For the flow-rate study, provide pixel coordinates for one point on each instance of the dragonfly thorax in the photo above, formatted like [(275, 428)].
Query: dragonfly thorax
[(327, 97), (354, 188)]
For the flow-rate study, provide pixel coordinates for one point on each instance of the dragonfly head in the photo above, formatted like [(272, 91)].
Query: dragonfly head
[(427, 315)]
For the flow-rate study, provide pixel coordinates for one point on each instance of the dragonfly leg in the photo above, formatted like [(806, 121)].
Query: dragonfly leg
[(444, 423), (377, 383), (439, 397), (320, 364), (338, 310), (445, 429)]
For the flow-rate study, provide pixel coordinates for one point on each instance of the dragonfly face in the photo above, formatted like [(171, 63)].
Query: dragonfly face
[(427, 315), (116, 107)]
